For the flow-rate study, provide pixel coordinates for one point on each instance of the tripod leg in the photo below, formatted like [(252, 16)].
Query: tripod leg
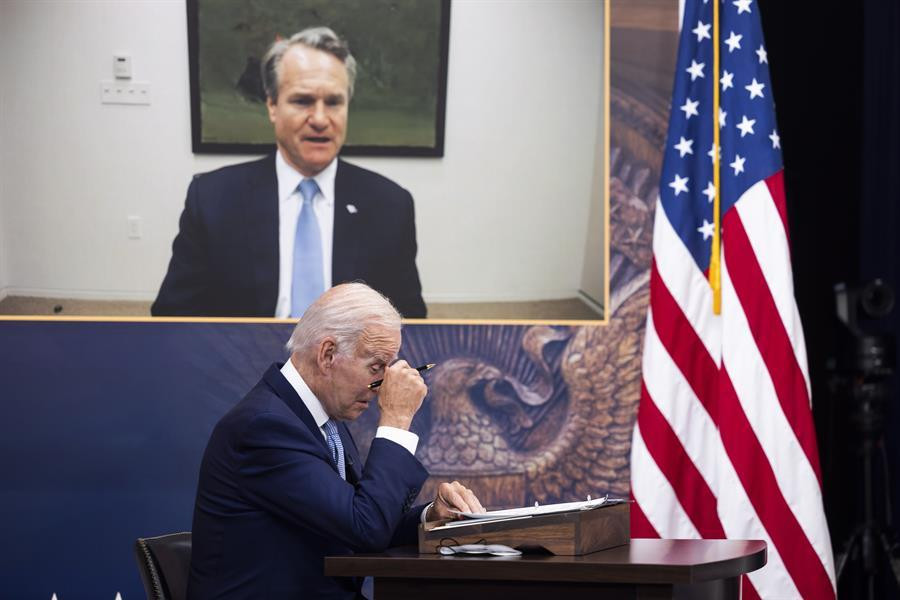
[(849, 546), (893, 560)]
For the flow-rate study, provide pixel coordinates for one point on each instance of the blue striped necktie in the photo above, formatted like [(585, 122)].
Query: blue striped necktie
[(336, 447), (307, 282)]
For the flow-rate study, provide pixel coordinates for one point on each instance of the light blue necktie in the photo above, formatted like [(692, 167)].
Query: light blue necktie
[(307, 282), (336, 447)]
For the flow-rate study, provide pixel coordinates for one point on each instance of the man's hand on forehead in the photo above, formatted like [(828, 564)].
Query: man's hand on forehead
[(400, 395)]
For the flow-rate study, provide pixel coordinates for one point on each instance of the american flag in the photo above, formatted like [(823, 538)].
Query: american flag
[(724, 445)]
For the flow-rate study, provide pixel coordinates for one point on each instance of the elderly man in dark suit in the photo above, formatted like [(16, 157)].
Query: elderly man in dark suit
[(282, 484), (265, 238)]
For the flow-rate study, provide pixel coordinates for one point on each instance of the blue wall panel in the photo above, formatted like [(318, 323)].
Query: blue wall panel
[(103, 428)]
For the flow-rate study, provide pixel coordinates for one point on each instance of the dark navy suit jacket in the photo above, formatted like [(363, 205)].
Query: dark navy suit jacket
[(270, 503), (225, 256)]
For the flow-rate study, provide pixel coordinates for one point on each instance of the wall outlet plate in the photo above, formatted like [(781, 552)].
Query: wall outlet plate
[(124, 92)]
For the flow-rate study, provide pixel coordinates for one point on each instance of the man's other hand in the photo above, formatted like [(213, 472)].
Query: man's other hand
[(453, 497), (400, 395)]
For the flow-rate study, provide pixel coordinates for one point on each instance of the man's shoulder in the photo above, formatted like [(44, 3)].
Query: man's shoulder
[(260, 405), (272, 396), (232, 187), (355, 176), (240, 171)]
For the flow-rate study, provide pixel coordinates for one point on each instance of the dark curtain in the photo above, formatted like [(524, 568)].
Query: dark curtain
[(836, 81)]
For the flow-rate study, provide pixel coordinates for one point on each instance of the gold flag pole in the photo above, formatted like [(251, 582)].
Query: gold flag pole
[(715, 266)]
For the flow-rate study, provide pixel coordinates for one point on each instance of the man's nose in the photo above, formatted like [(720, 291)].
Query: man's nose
[(318, 117)]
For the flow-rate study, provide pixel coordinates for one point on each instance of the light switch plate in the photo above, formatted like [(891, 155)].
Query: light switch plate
[(122, 66)]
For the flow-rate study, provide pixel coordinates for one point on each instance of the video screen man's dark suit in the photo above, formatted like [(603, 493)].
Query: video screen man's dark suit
[(225, 257)]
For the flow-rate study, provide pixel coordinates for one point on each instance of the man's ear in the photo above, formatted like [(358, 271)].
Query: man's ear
[(271, 108), (326, 354)]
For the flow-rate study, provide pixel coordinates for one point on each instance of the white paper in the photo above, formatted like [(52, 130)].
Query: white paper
[(545, 509)]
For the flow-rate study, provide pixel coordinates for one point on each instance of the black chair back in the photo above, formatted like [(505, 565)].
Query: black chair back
[(165, 564)]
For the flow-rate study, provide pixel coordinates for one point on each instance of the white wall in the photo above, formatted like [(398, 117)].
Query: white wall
[(5, 73), (593, 276), (503, 215), (4, 279)]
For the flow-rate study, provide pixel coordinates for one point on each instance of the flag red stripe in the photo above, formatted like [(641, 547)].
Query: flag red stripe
[(641, 527), (759, 482), (748, 592), (770, 335), (667, 452), (682, 343), (775, 183)]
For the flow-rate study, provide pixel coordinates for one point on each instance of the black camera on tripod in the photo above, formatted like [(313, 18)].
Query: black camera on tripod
[(863, 370), (868, 359)]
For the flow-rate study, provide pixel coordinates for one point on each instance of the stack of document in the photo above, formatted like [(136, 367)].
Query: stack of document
[(526, 512)]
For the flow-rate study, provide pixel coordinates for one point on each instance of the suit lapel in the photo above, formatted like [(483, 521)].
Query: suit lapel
[(347, 221), (287, 393), (260, 224)]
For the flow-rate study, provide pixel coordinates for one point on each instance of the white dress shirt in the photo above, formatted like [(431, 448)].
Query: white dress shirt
[(407, 439), (290, 202)]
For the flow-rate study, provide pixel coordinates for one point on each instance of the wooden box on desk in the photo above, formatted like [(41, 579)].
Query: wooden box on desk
[(568, 534)]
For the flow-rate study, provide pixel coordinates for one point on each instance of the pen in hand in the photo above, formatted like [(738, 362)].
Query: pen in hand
[(422, 369)]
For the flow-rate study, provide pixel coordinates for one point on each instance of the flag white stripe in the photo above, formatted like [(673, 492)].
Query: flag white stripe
[(740, 521), (685, 282), (680, 407), (751, 380), (655, 495), (695, 429), (756, 392), (765, 230)]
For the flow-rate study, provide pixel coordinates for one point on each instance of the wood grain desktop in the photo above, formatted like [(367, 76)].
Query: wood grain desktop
[(645, 568)]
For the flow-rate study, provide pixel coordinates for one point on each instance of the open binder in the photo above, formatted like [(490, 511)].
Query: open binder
[(568, 529)]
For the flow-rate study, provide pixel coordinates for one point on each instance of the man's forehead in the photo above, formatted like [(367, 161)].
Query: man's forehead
[(380, 342)]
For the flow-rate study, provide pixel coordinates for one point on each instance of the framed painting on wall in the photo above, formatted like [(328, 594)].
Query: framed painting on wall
[(400, 94)]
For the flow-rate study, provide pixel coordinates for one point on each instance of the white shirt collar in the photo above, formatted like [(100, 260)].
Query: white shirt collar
[(309, 399), (289, 178)]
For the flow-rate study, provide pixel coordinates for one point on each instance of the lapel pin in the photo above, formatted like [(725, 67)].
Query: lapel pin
[(351, 208)]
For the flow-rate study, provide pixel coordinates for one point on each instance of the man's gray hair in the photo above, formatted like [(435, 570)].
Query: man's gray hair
[(319, 38), (344, 313)]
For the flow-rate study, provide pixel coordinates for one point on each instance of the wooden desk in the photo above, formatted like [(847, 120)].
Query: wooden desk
[(643, 569)]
